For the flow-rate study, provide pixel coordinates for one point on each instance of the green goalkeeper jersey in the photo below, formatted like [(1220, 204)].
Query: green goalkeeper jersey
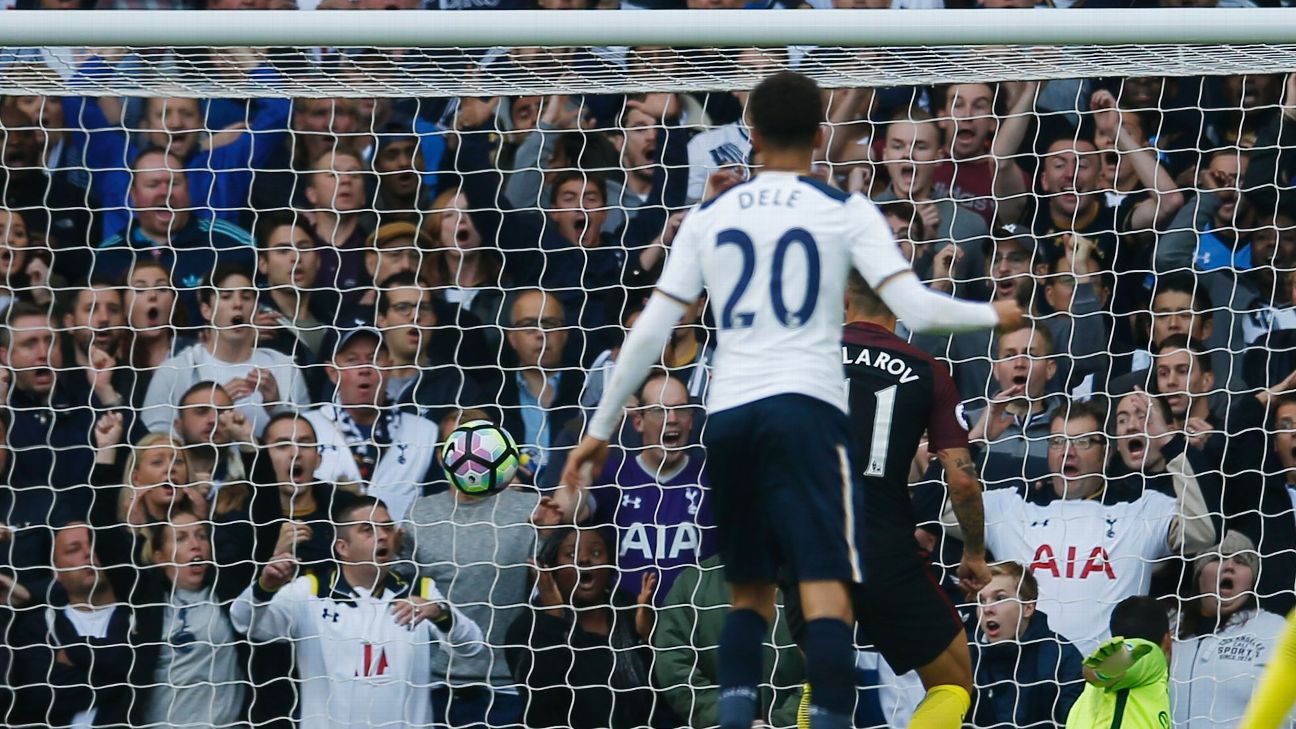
[(1139, 700)]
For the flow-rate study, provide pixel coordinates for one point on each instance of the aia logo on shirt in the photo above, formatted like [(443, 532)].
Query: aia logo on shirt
[(1097, 564), (373, 661)]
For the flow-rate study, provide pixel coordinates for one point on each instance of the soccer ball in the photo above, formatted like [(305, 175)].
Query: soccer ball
[(480, 457)]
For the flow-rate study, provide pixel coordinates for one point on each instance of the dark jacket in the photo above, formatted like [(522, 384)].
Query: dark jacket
[(1030, 682), (63, 425), (109, 672), (572, 678)]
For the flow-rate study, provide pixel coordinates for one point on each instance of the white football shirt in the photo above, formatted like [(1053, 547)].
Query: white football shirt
[(1086, 556), (773, 253)]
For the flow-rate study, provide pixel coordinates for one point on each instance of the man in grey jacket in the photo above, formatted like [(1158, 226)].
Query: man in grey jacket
[(477, 548)]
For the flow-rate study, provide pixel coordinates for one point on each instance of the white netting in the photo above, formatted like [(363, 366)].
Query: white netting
[(497, 216)]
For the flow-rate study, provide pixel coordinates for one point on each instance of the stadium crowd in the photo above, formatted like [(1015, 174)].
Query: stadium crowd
[(234, 333)]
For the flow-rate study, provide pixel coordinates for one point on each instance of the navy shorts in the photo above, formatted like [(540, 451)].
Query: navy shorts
[(785, 500)]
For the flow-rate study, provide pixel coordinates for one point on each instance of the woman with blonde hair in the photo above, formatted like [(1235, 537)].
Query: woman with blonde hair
[(156, 484)]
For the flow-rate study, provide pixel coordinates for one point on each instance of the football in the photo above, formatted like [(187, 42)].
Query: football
[(480, 457)]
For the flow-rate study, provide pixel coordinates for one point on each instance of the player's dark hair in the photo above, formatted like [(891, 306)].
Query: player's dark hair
[(787, 109), (1195, 347), (1140, 616), (1072, 410), (863, 298)]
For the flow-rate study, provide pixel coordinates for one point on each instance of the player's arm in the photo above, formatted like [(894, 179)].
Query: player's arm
[(877, 257), (268, 608), (1272, 702), (642, 348), (965, 500), (679, 286)]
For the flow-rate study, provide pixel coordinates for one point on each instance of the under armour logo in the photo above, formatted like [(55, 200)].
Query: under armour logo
[(330, 614), (1111, 528), (1040, 523), (632, 501)]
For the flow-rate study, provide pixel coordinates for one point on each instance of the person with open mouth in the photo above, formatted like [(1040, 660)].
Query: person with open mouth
[(362, 636), (197, 677), (914, 143), (1091, 540), (260, 380), (1014, 427), (1026, 674), (583, 646), (1226, 639)]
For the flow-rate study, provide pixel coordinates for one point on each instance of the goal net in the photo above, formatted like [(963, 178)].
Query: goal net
[(257, 266)]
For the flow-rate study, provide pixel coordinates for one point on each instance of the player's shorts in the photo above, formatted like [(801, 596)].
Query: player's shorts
[(781, 484), (901, 609)]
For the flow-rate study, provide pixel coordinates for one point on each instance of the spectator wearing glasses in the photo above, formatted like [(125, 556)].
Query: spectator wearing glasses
[(1086, 544), (408, 314), (539, 397), (657, 498)]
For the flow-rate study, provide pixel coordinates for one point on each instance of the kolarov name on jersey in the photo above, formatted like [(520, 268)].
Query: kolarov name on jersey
[(882, 361)]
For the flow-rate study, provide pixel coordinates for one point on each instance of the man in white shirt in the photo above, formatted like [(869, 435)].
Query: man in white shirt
[(259, 380), (363, 637), (364, 439), (1091, 543)]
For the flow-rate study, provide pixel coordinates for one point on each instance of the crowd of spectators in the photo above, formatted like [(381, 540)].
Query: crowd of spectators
[(235, 332)]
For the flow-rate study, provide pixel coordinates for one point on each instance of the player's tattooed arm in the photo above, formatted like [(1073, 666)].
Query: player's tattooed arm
[(965, 500), (965, 497)]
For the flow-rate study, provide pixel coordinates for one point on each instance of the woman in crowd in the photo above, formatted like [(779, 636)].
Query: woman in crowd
[(1225, 639), (156, 486), (463, 266), (583, 651), (197, 679), (1025, 674)]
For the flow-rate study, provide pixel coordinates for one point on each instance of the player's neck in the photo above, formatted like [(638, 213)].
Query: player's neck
[(886, 322), (799, 161)]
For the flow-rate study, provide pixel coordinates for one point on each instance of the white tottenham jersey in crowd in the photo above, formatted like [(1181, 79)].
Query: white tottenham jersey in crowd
[(359, 669), (773, 254), (1087, 556)]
